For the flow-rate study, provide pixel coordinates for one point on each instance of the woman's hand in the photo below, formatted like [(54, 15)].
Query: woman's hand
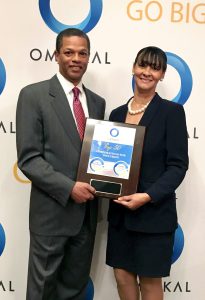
[(133, 201)]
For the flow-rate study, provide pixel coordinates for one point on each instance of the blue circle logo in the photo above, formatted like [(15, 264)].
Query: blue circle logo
[(121, 169), (86, 25), (2, 76), (89, 290), (2, 239), (114, 132), (178, 244), (185, 76), (96, 164)]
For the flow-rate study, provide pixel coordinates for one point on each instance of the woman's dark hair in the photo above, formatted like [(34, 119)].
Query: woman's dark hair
[(152, 56), (71, 32)]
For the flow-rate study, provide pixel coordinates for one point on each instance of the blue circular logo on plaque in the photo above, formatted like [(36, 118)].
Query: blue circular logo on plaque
[(86, 25), (96, 164), (114, 132), (121, 168)]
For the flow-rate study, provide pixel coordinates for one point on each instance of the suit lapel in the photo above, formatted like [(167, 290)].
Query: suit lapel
[(63, 111), (91, 103), (150, 111)]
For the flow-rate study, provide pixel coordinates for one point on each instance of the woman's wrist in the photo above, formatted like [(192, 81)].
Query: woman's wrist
[(146, 197)]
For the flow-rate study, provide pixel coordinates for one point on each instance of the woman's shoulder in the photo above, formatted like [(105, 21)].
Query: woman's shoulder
[(119, 108), (118, 112), (170, 105)]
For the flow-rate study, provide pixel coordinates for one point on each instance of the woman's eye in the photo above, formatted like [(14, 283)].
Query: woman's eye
[(142, 65), (156, 68)]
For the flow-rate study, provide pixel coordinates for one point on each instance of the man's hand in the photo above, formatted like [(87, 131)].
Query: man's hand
[(82, 192), (133, 201)]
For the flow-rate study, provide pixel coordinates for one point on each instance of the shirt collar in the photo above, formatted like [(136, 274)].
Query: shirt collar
[(67, 85)]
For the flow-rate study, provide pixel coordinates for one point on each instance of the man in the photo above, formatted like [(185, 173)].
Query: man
[(63, 212)]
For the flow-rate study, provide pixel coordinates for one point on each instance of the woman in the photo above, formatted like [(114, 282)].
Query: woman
[(142, 225)]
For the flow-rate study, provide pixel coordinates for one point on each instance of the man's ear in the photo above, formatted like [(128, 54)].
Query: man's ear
[(56, 55)]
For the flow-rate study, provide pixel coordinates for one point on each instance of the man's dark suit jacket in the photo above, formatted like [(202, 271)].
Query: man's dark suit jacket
[(48, 147), (164, 164)]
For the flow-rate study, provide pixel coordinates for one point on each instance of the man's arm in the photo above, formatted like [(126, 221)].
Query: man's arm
[(30, 150)]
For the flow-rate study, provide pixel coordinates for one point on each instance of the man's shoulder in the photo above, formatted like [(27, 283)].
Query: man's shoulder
[(93, 94), (38, 85)]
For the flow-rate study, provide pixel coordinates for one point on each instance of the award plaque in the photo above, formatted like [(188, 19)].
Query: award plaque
[(111, 157)]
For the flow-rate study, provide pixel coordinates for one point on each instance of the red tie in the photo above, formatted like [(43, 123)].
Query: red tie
[(78, 112)]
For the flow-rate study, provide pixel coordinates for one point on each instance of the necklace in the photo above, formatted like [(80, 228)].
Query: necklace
[(137, 111)]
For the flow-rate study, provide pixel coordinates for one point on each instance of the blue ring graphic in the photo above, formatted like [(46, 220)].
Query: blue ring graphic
[(114, 132), (90, 290), (185, 76), (94, 160), (2, 239), (123, 163), (178, 244), (2, 76), (86, 25)]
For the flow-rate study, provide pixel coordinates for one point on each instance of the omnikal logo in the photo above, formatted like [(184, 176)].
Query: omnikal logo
[(185, 77), (86, 25), (2, 239), (2, 76), (178, 244)]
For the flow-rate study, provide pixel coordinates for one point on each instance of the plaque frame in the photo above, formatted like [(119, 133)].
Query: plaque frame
[(109, 186)]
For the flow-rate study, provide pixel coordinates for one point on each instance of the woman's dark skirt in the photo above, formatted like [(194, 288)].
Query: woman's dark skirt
[(144, 254)]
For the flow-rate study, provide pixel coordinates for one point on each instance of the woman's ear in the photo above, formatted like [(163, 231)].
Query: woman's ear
[(162, 77)]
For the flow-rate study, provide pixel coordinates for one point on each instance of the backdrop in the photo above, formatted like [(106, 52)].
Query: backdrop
[(117, 29)]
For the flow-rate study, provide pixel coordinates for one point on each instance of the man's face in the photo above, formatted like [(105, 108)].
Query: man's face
[(73, 58)]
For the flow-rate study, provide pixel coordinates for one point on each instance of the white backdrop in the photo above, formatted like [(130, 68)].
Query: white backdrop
[(123, 28)]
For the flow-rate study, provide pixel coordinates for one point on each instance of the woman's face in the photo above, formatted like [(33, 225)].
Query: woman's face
[(146, 77)]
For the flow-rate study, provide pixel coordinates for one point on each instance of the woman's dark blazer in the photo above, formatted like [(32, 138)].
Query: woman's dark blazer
[(164, 164)]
